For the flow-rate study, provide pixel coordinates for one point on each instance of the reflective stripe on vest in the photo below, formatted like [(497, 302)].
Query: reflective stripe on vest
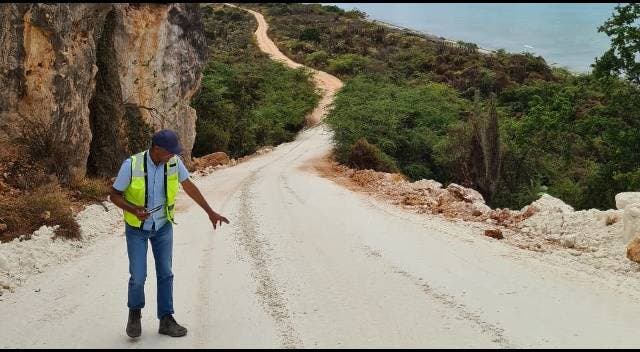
[(136, 193)]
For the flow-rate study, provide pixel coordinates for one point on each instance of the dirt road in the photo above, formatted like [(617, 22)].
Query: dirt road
[(327, 83), (307, 263)]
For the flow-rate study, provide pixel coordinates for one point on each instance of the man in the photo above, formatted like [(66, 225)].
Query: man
[(146, 189)]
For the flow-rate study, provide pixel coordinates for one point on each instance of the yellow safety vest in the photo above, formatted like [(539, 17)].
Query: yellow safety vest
[(136, 192)]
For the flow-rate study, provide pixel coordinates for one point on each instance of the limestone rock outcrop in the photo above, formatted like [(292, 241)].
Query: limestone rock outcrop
[(625, 198), (47, 70), (630, 222), (96, 80)]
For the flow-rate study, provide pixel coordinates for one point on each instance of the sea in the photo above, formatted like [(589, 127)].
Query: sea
[(564, 34)]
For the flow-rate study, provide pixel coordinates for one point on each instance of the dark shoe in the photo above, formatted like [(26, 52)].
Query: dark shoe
[(168, 326), (133, 325)]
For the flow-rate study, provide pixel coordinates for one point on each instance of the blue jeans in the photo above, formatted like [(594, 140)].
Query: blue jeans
[(162, 246)]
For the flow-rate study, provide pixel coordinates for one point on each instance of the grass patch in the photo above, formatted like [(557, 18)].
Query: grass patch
[(91, 189), (47, 205)]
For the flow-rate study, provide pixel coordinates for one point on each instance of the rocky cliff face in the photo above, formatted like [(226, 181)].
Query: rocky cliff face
[(150, 64), (47, 61), (99, 79)]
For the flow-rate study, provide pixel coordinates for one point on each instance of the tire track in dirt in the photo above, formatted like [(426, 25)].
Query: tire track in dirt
[(258, 251), (462, 311), (204, 278), (258, 248), (248, 234), (459, 309), (270, 294)]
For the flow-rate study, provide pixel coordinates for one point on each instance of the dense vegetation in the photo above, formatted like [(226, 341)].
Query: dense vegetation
[(506, 124), (246, 99), (399, 120)]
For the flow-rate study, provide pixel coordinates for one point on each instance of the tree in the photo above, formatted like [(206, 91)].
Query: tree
[(486, 155), (624, 55), (310, 35)]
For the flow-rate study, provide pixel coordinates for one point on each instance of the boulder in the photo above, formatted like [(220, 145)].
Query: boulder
[(430, 185), (213, 159), (501, 216), (466, 194), (625, 198), (479, 208), (630, 222), (549, 204)]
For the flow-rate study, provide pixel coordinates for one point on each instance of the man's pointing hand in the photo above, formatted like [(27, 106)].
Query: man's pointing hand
[(215, 218)]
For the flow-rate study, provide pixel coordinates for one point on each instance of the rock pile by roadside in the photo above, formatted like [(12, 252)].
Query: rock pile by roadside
[(593, 237), (429, 196), (219, 160), (211, 160)]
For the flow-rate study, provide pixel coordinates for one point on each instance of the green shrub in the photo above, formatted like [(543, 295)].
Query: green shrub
[(355, 14), (334, 9), (406, 122), (317, 58), (310, 34), (348, 64), (210, 139), (364, 155), (418, 172), (300, 47)]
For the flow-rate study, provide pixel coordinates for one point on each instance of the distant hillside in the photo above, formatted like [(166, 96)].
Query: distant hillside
[(573, 136), (246, 100)]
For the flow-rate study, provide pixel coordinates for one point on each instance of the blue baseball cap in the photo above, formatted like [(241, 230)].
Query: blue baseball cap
[(168, 140)]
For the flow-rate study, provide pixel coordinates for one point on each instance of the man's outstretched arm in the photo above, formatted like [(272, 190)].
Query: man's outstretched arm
[(195, 194)]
